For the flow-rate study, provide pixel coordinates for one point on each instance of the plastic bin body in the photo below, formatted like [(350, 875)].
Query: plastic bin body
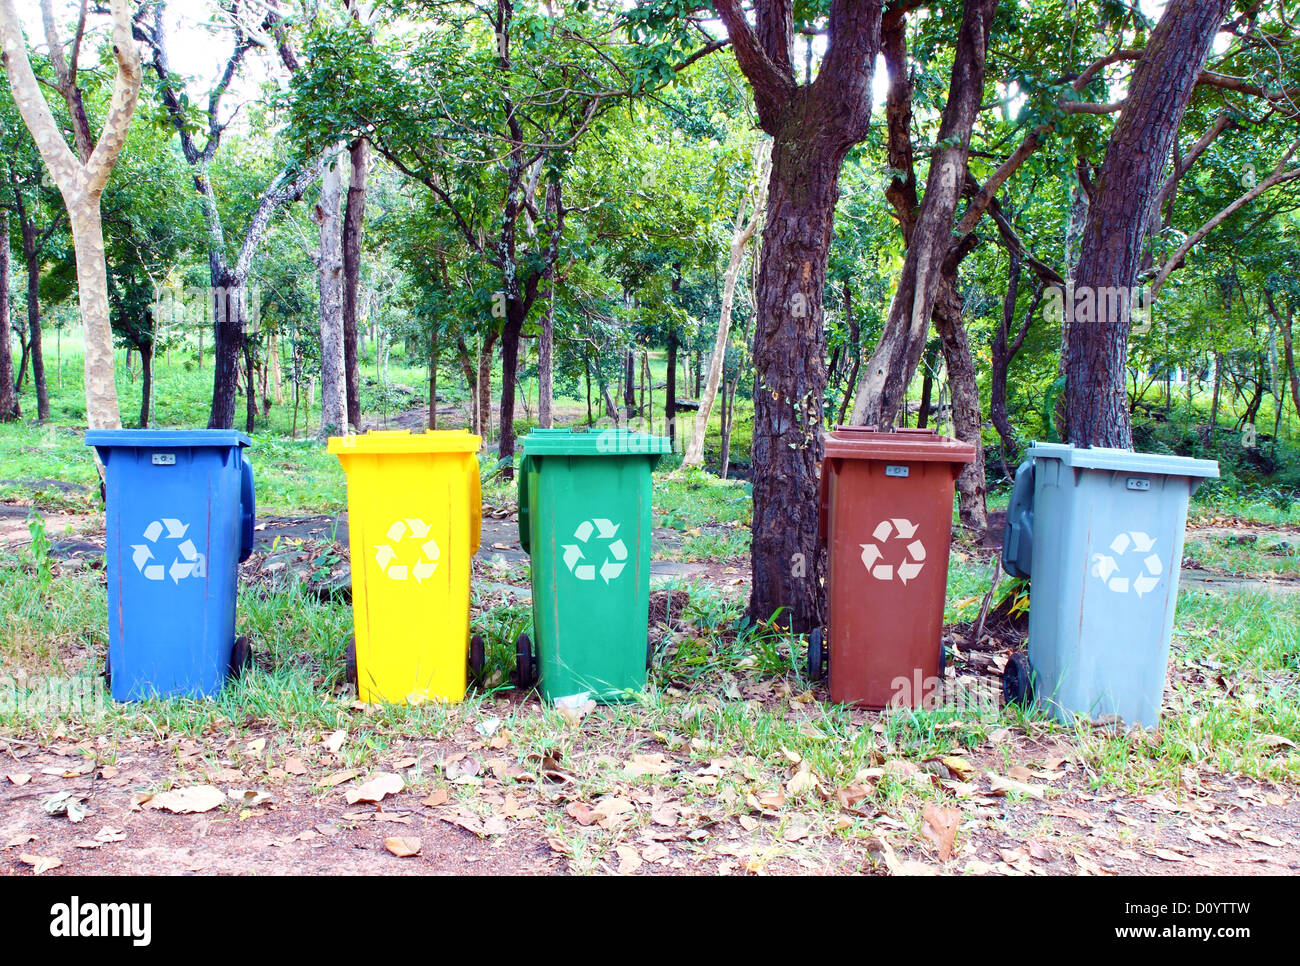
[(585, 520), (886, 519), (1107, 543), (414, 520), (179, 511)]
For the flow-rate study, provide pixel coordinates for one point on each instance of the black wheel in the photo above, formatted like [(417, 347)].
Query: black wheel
[(943, 657), (350, 661), (477, 657), (649, 655), (1016, 688), (108, 673), (816, 655), (525, 668), (241, 657)]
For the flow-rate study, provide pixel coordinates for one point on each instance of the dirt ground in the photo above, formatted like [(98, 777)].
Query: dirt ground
[(496, 808), (481, 800)]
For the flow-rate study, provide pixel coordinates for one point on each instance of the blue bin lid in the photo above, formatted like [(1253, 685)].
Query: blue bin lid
[(1123, 460), (166, 438)]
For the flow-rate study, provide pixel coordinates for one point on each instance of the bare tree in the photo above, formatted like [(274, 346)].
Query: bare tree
[(748, 216), (82, 183)]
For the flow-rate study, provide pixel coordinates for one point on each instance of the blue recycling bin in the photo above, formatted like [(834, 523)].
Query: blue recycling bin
[(1099, 534), (179, 513)]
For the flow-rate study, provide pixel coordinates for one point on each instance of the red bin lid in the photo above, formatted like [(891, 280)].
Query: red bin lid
[(899, 445)]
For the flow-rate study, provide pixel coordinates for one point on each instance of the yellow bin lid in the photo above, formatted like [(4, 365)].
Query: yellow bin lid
[(403, 441)]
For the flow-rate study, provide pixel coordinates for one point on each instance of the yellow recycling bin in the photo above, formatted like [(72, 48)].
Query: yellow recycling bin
[(414, 516)]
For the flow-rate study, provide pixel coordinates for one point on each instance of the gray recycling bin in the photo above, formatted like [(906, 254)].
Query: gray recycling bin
[(1099, 534)]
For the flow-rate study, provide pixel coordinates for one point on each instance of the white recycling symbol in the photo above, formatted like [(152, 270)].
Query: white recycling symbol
[(188, 562), (899, 529), (615, 551), (386, 553), (1105, 566)]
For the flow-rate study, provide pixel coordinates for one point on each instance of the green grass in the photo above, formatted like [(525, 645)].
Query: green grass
[(1245, 553)]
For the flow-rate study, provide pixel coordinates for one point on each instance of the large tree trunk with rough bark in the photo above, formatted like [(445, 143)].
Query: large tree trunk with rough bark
[(813, 126), (9, 409), (354, 220), (1111, 252), (333, 381), (81, 182), (227, 346)]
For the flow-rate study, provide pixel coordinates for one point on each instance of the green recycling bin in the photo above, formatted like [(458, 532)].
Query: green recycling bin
[(584, 519), (1099, 534)]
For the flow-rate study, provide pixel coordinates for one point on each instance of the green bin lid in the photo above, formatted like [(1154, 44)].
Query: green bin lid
[(1123, 460), (604, 442), (899, 445)]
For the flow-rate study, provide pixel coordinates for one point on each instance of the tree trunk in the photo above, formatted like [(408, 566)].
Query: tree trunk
[(725, 426), (854, 350), (1097, 414), (81, 182), (629, 385), (885, 378), (1288, 347), (789, 362), (9, 409), (741, 233), (433, 379), (670, 393), (929, 361), (92, 296), (250, 378), (228, 344), (643, 376), (354, 220), (586, 374), (971, 485), (471, 380), (545, 375), (485, 384), (509, 376), (146, 382), (813, 127), (333, 379), (34, 351)]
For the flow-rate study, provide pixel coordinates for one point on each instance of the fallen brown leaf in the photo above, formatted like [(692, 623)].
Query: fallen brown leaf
[(404, 847), (939, 825)]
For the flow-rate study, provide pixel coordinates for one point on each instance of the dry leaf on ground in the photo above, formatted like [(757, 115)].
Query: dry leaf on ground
[(939, 825), (186, 801), (403, 847), (377, 789)]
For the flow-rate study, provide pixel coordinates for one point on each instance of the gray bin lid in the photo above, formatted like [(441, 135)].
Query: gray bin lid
[(1123, 460)]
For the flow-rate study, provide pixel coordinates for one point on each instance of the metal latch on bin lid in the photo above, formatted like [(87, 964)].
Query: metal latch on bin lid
[(164, 459), (892, 469), (1138, 483)]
